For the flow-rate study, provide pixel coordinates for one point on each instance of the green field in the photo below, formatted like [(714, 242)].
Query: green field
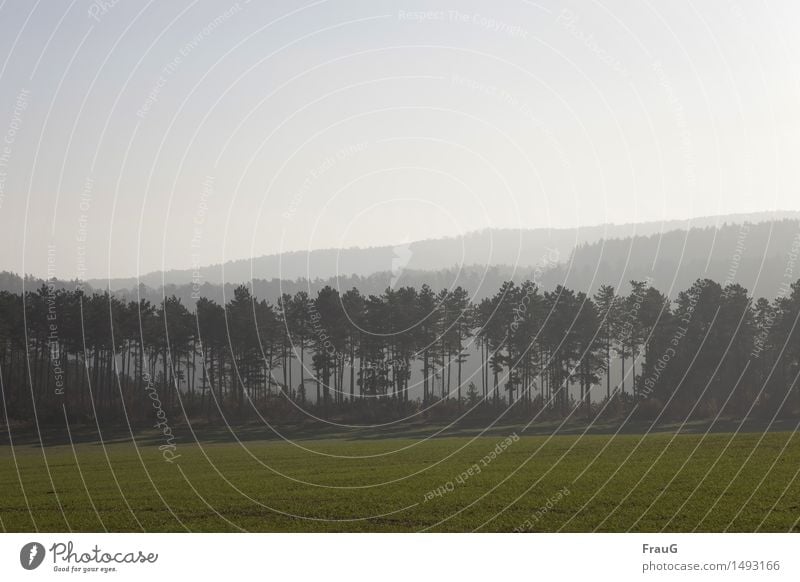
[(677, 483)]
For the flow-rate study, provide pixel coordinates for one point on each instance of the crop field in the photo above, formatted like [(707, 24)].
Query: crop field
[(685, 482)]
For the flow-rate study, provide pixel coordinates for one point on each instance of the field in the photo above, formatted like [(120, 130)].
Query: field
[(683, 482)]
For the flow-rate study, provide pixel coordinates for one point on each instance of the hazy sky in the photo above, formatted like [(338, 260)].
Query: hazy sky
[(139, 136)]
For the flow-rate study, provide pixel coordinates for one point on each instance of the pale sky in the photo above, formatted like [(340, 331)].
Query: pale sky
[(144, 136)]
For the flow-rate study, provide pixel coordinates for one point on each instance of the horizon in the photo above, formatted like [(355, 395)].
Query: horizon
[(725, 218)]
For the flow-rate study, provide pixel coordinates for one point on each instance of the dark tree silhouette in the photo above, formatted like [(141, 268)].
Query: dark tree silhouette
[(712, 352)]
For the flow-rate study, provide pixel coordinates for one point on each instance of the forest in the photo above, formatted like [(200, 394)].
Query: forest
[(713, 352)]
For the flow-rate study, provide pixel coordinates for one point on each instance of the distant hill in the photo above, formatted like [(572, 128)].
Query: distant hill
[(753, 250), (760, 257), (492, 247)]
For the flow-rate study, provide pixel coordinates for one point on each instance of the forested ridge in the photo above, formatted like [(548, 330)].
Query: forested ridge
[(712, 352), (751, 254)]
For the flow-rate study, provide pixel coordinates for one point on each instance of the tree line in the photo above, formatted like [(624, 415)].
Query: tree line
[(714, 351)]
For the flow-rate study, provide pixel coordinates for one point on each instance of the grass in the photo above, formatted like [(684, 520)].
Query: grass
[(661, 481)]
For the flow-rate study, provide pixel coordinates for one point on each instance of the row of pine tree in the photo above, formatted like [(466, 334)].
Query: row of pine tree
[(714, 351)]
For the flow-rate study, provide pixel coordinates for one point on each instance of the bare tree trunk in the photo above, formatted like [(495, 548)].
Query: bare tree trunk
[(459, 379), (608, 366), (352, 373)]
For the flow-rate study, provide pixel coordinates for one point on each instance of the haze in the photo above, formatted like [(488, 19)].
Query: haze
[(140, 137)]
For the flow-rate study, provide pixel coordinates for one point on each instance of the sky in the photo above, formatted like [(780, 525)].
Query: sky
[(141, 136)]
